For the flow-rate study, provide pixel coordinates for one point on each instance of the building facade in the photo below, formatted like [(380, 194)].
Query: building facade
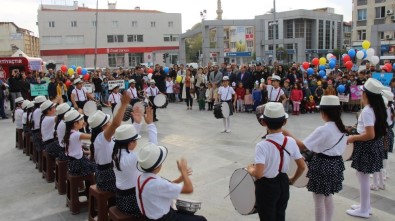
[(13, 38), (124, 37), (366, 15), (347, 31)]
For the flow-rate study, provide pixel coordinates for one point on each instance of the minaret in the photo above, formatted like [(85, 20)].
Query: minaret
[(219, 10)]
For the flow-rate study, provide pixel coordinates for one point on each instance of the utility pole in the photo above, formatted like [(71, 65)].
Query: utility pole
[(274, 30), (96, 23)]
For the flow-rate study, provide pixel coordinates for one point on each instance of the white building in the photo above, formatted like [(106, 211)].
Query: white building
[(124, 37), (14, 38)]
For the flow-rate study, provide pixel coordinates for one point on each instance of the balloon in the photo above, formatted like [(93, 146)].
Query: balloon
[(341, 89), (332, 64), (374, 60), (346, 58), (349, 65), (315, 61), (322, 61), (178, 79), (328, 56), (150, 75), (84, 71), (68, 83), (322, 67), (70, 71), (79, 69), (393, 66), (364, 53), (74, 67), (63, 68), (166, 70), (325, 77), (389, 67), (86, 77), (150, 71), (322, 73), (351, 53), (305, 65), (370, 53), (310, 71), (360, 55), (366, 44), (333, 57)]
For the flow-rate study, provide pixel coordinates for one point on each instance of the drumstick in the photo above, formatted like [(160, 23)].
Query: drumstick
[(148, 99), (236, 186)]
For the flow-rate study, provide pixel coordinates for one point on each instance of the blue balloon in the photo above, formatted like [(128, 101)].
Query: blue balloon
[(364, 54), (310, 71), (322, 67), (341, 89), (322, 73), (84, 71), (332, 64), (393, 66), (351, 53), (74, 67), (325, 77), (166, 70), (333, 59)]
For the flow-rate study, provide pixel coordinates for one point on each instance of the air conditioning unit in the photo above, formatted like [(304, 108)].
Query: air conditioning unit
[(388, 37), (393, 18), (390, 12)]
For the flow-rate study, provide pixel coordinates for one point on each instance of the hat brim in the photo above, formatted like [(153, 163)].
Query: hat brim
[(136, 137), (50, 106), (76, 119), (274, 119), (165, 152), (108, 118)]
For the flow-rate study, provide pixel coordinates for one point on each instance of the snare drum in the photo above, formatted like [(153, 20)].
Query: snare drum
[(188, 206), (128, 112), (160, 101), (242, 191), (90, 108), (347, 154), (221, 110), (303, 179)]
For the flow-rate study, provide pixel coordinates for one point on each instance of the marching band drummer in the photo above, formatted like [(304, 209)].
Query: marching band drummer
[(132, 92), (326, 168), (151, 92), (274, 91), (272, 159), (226, 93), (114, 98), (79, 96)]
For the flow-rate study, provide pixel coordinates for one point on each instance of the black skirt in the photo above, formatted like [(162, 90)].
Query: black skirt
[(325, 174), (54, 149), (37, 141), (81, 167), (105, 179), (390, 135), (126, 202), (367, 156)]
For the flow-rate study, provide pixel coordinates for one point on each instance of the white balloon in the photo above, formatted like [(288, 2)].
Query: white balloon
[(328, 56), (360, 55), (369, 53), (375, 60), (149, 76)]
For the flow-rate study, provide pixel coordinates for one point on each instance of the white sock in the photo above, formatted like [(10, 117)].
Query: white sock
[(385, 167), (228, 122), (364, 191), (375, 178), (319, 206), (329, 208), (224, 120)]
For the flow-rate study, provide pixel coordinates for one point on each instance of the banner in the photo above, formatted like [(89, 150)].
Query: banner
[(384, 78), (38, 89), (343, 98), (112, 84), (88, 88), (356, 93)]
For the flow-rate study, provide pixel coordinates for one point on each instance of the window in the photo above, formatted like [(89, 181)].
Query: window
[(250, 44), (51, 24), (153, 24), (115, 24), (135, 59), (271, 26), (49, 40), (250, 30), (361, 35), (380, 12), (299, 28), (74, 39), (233, 45), (290, 29), (93, 23), (321, 34), (327, 34), (362, 14), (77, 60), (233, 32), (73, 24), (381, 35), (170, 38), (116, 60), (170, 24), (134, 24), (135, 38), (309, 25), (339, 32), (114, 38)]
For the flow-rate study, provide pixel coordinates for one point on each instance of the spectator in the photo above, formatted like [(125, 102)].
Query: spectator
[(14, 87), (240, 93), (98, 89), (25, 86), (244, 77), (215, 76), (52, 89), (296, 98), (61, 91), (2, 99)]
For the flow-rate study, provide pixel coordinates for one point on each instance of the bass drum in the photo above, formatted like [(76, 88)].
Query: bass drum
[(303, 179), (221, 110), (160, 101), (90, 108), (242, 191)]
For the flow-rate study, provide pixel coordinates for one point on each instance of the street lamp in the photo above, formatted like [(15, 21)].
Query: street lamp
[(203, 16), (274, 24)]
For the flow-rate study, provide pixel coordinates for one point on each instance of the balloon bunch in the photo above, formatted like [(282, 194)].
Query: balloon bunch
[(72, 69), (321, 64), (367, 53)]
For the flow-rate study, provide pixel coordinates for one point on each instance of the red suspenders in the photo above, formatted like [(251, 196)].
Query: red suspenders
[(281, 150), (141, 188)]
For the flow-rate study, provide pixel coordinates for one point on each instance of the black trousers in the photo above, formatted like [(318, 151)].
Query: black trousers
[(272, 197), (151, 98), (112, 107), (180, 216), (188, 99)]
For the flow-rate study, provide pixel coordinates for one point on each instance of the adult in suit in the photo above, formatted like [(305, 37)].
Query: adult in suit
[(215, 76), (245, 78)]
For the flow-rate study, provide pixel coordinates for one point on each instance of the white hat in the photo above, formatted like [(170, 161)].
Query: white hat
[(388, 94), (98, 119), (62, 108), (30, 105), (274, 111), (76, 81), (262, 80), (151, 157), (372, 86), (39, 99), (329, 101), (46, 105), (132, 81), (276, 77), (73, 116), (225, 78), (126, 133), (25, 104), (385, 100), (152, 81), (19, 100), (233, 84)]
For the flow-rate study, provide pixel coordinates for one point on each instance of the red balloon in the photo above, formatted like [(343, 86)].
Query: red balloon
[(79, 69), (86, 77), (389, 67), (346, 58), (306, 65), (63, 68), (315, 61), (150, 71), (349, 65), (68, 83)]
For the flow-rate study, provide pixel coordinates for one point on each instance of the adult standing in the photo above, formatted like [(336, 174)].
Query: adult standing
[(25, 86), (98, 89), (215, 76), (186, 90), (52, 88), (258, 73), (200, 78), (181, 72), (2, 98), (244, 77), (160, 77), (14, 87)]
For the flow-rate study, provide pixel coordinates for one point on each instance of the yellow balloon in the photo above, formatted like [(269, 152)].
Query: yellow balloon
[(70, 71), (322, 61), (178, 79), (366, 44)]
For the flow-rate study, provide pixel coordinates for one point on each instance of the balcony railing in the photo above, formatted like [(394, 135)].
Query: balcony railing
[(361, 23), (362, 2)]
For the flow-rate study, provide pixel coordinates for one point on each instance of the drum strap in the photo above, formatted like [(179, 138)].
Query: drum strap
[(281, 150), (141, 188), (278, 94), (76, 92)]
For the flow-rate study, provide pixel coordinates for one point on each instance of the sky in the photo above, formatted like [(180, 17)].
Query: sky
[(24, 12)]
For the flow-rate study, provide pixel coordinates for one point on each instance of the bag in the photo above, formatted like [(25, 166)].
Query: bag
[(192, 90)]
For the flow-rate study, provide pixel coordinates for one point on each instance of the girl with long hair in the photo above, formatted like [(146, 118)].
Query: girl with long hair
[(35, 126), (47, 127), (326, 167), (367, 156), (17, 119), (60, 128)]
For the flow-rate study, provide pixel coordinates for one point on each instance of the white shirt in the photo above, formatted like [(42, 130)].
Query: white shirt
[(103, 149), (273, 93), (389, 118), (366, 119), (114, 98), (152, 91), (80, 95), (267, 153), (157, 195), (36, 118), (48, 128), (127, 177), (24, 118), (325, 137), (181, 73), (132, 92), (226, 93), (75, 145), (18, 118), (60, 131), (169, 87)]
